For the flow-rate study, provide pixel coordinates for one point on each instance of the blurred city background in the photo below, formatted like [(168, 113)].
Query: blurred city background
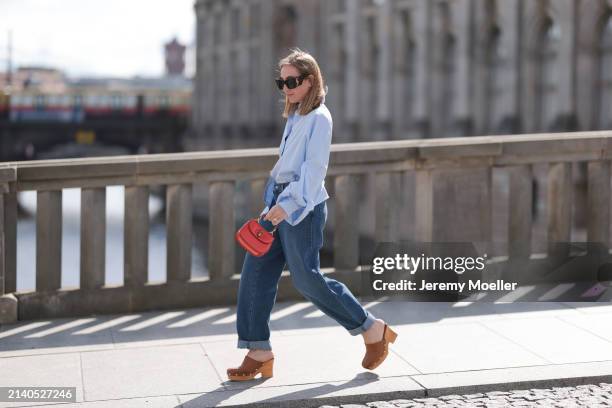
[(82, 79), (200, 74), (114, 78)]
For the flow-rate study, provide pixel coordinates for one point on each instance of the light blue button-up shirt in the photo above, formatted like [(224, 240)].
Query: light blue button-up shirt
[(303, 161)]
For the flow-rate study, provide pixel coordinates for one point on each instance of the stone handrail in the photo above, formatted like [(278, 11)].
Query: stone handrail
[(220, 170)]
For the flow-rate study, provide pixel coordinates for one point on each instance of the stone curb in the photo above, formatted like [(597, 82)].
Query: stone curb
[(424, 393)]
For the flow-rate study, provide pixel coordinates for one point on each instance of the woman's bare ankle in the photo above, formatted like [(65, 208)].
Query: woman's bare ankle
[(260, 354), (374, 333)]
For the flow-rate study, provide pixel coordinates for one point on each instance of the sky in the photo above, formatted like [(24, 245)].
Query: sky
[(120, 38)]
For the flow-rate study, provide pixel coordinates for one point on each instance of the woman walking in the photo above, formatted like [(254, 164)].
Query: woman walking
[(295, 198)]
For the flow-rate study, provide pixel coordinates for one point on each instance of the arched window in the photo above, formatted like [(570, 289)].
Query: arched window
[(217, 26), (287, 27), (492, 63), (405, 64), (371, 54), (235, 84), (547, 82), (214, 106), (235, 23), (447, 70), (254, 19), (339, 61), (604, 114), (254, 65)]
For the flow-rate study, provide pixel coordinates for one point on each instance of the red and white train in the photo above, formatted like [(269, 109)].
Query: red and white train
[(78, 105)]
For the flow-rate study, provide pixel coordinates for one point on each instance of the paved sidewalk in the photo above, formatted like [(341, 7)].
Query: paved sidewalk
[(179, 358)]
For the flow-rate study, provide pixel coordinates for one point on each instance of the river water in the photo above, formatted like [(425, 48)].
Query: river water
[(71, 211)]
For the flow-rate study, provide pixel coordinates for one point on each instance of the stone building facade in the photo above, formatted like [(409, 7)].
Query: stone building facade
[(401, 69)]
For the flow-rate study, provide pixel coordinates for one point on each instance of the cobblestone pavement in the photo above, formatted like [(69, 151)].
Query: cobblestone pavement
[(599, 395)]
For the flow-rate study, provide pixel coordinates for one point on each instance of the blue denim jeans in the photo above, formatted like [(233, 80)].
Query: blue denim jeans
[(298, 246)]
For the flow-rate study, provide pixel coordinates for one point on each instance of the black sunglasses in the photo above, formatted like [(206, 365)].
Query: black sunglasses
[(291, 82)]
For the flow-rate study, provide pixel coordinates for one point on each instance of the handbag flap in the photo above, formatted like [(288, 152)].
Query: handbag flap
[(260, 232)]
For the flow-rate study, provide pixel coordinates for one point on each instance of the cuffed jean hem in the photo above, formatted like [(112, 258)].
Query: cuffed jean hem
[(367, 323), (259, 344)]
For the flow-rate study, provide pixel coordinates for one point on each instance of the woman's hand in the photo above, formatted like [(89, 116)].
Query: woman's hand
[(276, 215)]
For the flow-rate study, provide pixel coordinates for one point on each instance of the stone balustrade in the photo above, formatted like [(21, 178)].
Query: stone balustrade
[(219, 171)]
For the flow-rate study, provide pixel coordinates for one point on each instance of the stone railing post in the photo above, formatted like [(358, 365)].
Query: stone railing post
[(520, 220), (423, 206), (598, 203), (256, 204), (8, 242), (136, 236), (559, 208), (8, 255), (49, 240), (388, 191), (179, 232), (93, 237), (222, 243), (346, 231)]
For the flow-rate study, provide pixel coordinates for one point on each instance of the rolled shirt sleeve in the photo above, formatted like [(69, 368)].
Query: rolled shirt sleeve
[(297, 199)]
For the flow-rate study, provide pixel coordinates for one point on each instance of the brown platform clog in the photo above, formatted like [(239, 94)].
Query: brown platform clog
[(377, 352), (250, 368)]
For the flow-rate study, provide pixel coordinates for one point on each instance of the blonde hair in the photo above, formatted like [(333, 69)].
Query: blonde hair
[(305, 64)]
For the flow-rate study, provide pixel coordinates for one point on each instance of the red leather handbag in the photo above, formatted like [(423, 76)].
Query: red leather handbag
[(253, 237)]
